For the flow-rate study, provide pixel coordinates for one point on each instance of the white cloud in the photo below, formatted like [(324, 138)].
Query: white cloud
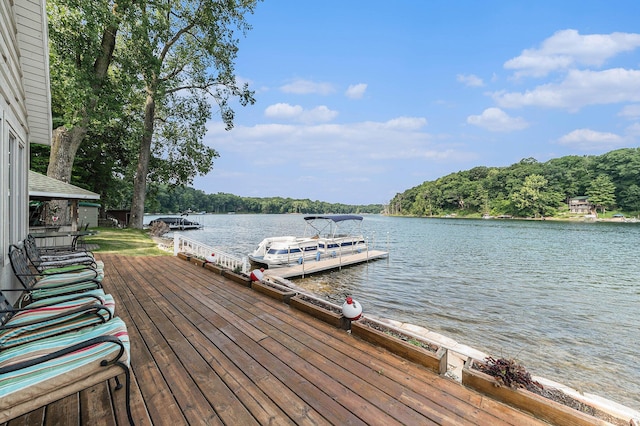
[(282, 110), (578, 89), (496, 120), (631, 112), (587, 139), (406, 123), (306, 87), (470, 80), (568, 49), (300, 160), (332, 147), (319, 114), (356, 91), (633, 131)]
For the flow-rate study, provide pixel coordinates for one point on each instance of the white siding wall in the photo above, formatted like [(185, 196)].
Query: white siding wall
[(24, 115), (33, 41)]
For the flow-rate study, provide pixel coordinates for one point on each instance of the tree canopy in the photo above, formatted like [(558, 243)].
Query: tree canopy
[(137, 81), (530, 188), (184, 52)]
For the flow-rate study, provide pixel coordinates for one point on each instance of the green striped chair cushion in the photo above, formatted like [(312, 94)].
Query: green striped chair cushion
[(33, 350), (56, 285), (65, 255), (69, 277), (38, 293), (99, 266), (42, 320), (59, 263), (98, 295), (63, 269), (31, 387)]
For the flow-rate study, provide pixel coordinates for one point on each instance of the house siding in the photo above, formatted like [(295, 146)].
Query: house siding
[(34, 58), (25, 116)]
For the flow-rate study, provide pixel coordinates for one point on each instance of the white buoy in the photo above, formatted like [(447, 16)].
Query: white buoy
[(351, 309), (210, 258), (257, 274)]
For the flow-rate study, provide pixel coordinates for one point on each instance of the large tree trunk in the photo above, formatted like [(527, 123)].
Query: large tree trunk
[(140, 179), (64, 145)]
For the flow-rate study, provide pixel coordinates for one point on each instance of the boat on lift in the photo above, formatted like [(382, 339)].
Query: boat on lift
[(324, 236), (177, 223)]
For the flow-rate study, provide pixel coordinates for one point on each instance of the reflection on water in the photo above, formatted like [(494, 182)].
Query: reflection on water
[(562, 298)]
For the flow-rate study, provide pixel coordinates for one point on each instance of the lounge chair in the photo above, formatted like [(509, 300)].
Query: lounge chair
[(61, 249), (52, 316), (35, 374), (37, 285), (58, 250), (71, 259)]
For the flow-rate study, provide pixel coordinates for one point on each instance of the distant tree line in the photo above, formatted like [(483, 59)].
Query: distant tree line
[(525, 189), (530, 188), (101, 170), (179, 200)]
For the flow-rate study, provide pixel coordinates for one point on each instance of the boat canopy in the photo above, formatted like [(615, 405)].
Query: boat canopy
[(327, 225), (335, 217)]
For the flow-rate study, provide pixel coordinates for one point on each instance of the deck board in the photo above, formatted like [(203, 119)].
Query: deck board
[(205, 350)]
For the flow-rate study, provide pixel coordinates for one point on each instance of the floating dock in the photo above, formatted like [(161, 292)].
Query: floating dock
[(314, 266)]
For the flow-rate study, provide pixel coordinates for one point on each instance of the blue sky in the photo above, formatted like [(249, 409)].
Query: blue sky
[(359, 100)]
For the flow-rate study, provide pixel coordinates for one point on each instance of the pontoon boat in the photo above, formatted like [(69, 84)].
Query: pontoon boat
[(324, 236)]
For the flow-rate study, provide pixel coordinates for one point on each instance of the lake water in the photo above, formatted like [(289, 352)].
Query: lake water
[(562, 298)]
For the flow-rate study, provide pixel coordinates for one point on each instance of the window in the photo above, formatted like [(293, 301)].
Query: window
[(3, 205), (17, 190)]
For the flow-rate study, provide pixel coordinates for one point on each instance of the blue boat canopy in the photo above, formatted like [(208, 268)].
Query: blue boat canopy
[(335, 217)]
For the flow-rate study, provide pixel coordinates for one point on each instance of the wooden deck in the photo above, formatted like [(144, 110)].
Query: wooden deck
[(206, 350)]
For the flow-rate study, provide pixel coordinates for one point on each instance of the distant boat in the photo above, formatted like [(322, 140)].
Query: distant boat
[(324, 237), (177, 223)]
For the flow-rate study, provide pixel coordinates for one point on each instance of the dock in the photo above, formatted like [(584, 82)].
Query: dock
[(315, 266), (207, 350)]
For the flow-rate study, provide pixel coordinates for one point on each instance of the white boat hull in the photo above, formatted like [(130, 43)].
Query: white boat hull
[(284, 251), (280, 251)]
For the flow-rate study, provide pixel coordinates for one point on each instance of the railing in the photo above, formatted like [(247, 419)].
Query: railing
[(225, 260)]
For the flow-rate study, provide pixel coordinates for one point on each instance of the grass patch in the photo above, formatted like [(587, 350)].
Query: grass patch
[(129, 242)]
